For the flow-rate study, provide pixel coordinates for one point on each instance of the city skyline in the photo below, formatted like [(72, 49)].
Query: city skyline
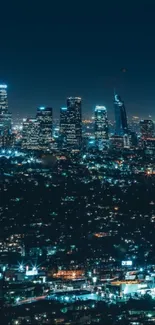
[(47, 55), (77, 162), (85, 114)]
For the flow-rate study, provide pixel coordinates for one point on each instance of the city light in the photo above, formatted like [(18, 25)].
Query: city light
[(94, 279), (127, 263), (21, 267), (3, 86), (4, 268), (100, 108), (32, 272), (98, 180)]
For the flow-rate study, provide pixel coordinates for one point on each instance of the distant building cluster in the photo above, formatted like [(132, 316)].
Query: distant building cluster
[(40, 133)]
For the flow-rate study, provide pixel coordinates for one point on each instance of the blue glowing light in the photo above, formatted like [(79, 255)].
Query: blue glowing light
[(99, 108), (21, 267), (127, 263), (94, 279), (42, 108), (3, 86), (64, 108)]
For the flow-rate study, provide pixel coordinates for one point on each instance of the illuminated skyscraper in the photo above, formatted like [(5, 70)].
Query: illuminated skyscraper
[(63, 126), (74, 122), (101, 123), (30, 134), (147, 129), (3, 98), (71, 123), (121, 126), (45, 119), (5, 118)]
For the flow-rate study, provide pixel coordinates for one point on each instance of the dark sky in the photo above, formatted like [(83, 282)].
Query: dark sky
[(54, 49)]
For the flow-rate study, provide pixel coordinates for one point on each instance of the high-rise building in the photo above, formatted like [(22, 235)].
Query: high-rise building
[(121, 126), (149, 146), (71, 123), (5, 118), (134, 124), (45, 119), (30, 134), (133, 138), (117, 142), (3, 98), (147, 129), (101, 123), (74, 121), (63, 126)]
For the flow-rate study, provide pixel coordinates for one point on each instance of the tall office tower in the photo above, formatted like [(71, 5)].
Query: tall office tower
[(134, 124), (45, 118), (101, 123), (3, 98), (71, 123), (121, 127), (5, 118), (30, 134), (147, 129), (74, 122), (63, 126)]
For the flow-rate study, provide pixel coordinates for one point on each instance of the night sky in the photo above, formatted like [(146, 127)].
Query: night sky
[(54, 49)]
